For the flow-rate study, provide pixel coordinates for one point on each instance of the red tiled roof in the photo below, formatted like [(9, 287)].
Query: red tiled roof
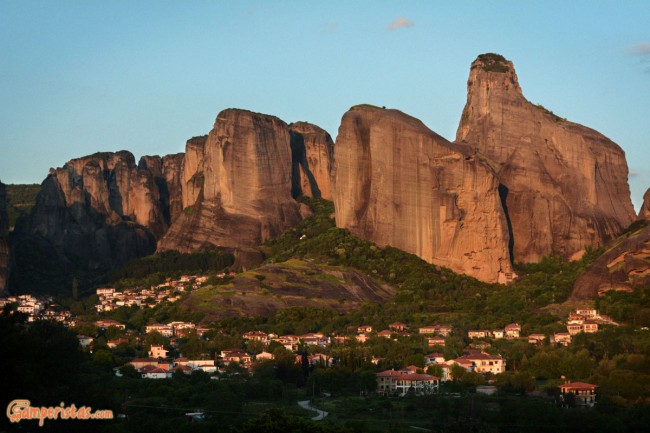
[(578, 385)]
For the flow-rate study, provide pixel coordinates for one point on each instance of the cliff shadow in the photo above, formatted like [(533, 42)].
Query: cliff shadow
[(503, 195), (298, 161)]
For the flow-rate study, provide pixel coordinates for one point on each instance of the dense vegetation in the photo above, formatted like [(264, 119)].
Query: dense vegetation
[(20, 200), (493, 62)]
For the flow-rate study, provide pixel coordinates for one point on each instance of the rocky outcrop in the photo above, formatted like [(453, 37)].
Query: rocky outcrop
[(192, 174), (644, 213), (312, 151), (625, 265), (564, 186), (94, 213), (167, 173), (398, 183), (4, 248), (245, 185)]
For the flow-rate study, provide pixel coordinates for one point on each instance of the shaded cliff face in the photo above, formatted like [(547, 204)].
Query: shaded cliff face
[(564, 185), (244, 176), (95, 213), (167, 173), (644, 212), (625, 265), (398, 183), (4, 248), (192, 177), (312, 151)]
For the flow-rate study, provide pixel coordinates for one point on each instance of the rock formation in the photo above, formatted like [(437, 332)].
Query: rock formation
[(93, 213), (167, 172), (625, 265), (192, 176), (644, 212), (312, 151), (4, 248), (243, 183), (564, 186), (398, 183)]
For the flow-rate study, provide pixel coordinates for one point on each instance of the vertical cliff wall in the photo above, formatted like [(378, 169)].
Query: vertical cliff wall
[(241, 178), (644, 212), (564, 185), (312, 151), (398, 183)]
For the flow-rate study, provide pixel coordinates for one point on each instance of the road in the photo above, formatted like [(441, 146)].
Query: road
[(306, 405)]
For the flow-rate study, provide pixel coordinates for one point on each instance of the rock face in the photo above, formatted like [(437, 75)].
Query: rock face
[(644, 213), (625, 266), (312, 151), (167, 172), (93, 213), (398, 183), (192, 174), (564, 186), (4, 248), (242, 185)]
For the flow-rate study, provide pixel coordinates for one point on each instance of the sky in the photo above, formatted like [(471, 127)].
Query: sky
[(82, 76)]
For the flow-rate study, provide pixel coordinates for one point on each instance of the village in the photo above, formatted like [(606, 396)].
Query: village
[(314, 349)]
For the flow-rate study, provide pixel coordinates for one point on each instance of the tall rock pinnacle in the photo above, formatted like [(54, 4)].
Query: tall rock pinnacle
[(564, 186), (644, 213), (398, 183)]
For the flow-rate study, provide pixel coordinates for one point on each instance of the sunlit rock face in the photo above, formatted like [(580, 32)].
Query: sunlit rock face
[(312, 151), (242, 184), (564, 185), (644, 213), (398, 183)]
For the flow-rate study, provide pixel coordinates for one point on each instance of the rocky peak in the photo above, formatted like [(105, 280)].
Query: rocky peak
[(312, 150), (564, 186), (167, 172), (399, 183), (644, 213), (241, 175)]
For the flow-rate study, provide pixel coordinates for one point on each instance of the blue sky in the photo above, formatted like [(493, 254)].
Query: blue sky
[(77, 77)]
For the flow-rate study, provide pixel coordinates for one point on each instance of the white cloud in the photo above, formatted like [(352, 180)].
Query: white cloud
[(642, 49), (330, 27), (399, 23), (633, 173)]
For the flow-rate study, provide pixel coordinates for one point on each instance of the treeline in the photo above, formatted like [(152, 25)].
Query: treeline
[(173, 264)]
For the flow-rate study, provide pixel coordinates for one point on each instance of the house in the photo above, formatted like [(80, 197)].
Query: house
[(477, 334), (155, 373), (444, 330), (590, 326), (483, 362), (436, 341), (139, 363), (105, 292), (362, 338), (563, 338), (536, 338), (157, 352), (164, 330), (512, 330), (588, 313), (237, 356), (434, 358), (107, 323), (185, 369), (385, 333), (574, 329), (391, 382), (364, 329), (206, 365), (315, 339), (576, 319), (260, 336), (290, 342), (264, 356), (340, 339), (431, 329), (584, 393), (398, 326), (498, 334)]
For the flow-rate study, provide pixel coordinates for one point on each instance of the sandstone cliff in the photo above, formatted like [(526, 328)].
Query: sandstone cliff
[(564, 185), (398, 183), (625, 265), (312, 151), (644, 213), (242, 184), (167, 173), (192, 173), (4, 248), (94, 213)]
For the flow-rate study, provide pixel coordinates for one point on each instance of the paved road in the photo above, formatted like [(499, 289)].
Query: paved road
[(305, 405)]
